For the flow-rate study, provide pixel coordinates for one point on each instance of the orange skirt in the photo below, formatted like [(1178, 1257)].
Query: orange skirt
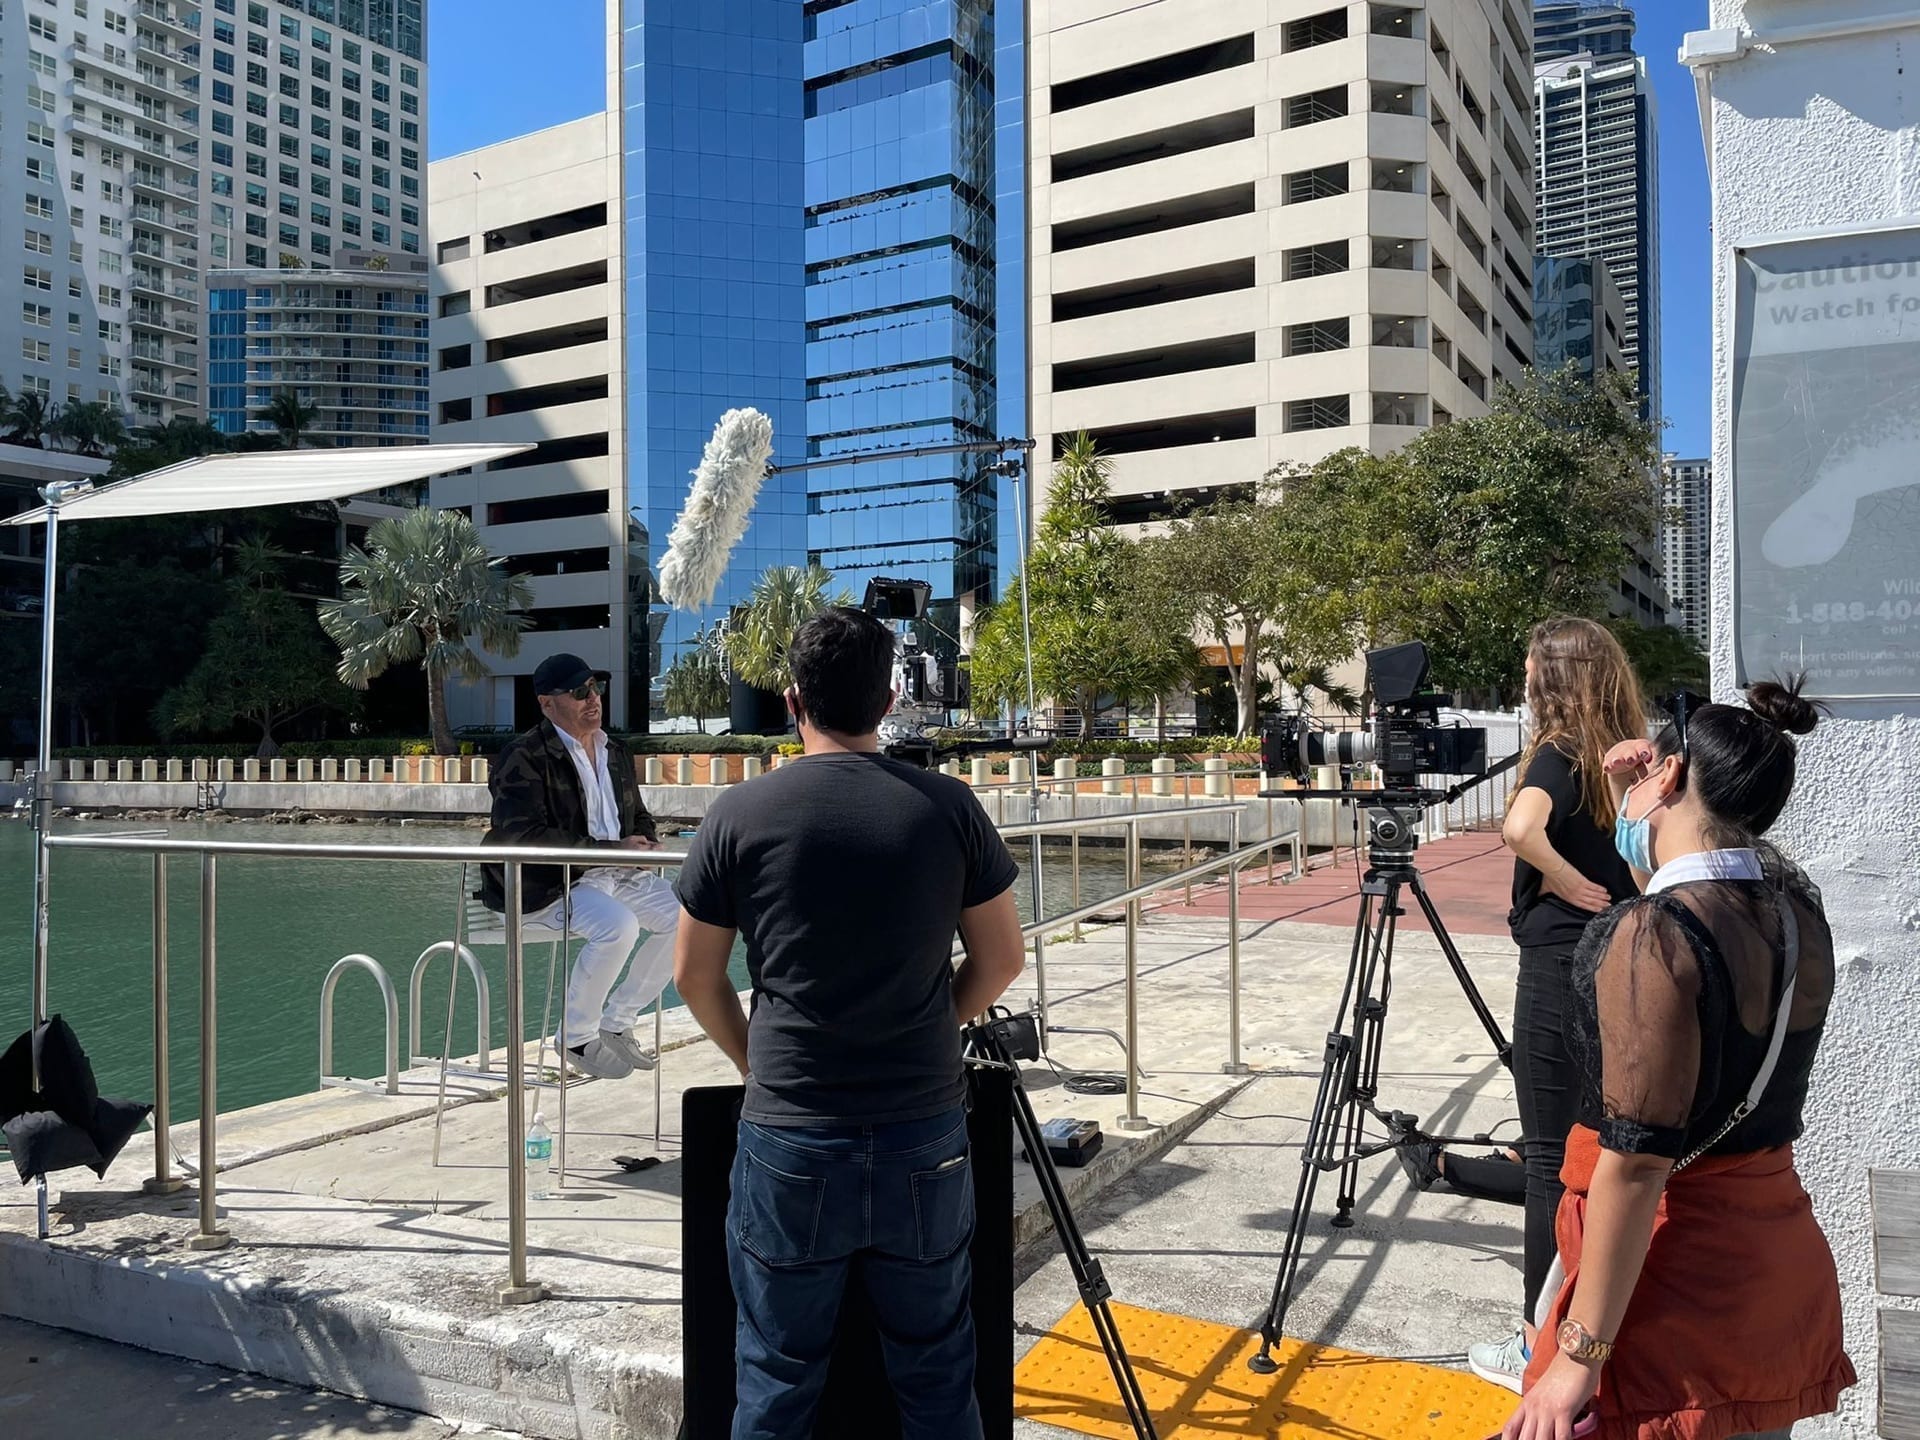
[(1735, 1325)]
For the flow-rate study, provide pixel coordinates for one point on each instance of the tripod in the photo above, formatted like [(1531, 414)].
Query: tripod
[(987, 1046), (1350, 1072)]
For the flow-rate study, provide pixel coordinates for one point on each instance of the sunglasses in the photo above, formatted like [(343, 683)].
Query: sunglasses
[(1683, 703), (586, 691)]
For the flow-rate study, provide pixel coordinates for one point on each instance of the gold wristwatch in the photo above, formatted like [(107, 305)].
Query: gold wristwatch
[(1579, 1343)]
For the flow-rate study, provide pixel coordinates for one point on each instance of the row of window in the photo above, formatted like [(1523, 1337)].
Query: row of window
[(41, 385)]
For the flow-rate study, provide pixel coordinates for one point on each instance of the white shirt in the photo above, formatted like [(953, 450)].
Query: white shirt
[(1706, 865), (596, 783)]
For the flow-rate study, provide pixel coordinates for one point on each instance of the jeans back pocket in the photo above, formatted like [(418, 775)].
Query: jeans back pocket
[(943, 1206), (777, 1215)]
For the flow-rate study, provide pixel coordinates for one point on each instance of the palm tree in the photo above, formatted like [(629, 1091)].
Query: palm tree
[(783, 599), (425, 589), (28, 418), (91, 428), (287, 415)]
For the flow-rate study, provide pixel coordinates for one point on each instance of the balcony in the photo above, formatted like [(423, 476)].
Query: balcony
[(176, 256), (158, 185), (162, 218), (88, 53), (167, 18), (150, 45), (154, 353), (167, 322)]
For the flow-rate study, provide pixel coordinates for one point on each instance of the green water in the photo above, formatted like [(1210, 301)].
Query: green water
[(282, 925)]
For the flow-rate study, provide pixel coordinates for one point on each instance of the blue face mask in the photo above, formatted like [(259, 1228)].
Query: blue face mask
[(1634, 838)]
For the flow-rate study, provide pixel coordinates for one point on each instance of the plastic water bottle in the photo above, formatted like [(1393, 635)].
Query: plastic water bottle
[(539, 1158)]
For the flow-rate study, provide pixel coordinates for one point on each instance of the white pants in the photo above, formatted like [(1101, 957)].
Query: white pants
[(612, 909)]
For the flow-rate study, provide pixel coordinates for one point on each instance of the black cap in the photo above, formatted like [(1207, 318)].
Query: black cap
[(558, 673)]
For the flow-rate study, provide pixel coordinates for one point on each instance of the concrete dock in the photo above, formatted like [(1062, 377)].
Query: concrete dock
[(359, 1267)]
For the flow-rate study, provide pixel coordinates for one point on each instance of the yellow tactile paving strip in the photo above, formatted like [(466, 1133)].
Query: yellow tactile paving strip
[(1195, 1377)]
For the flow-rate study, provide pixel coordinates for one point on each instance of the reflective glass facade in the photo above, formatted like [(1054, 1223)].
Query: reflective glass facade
[(902, 291), (715, 278), (400, 24)]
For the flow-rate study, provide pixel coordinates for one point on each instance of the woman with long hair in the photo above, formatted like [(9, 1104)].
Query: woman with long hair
[(1583, 699), (1699, 1298)]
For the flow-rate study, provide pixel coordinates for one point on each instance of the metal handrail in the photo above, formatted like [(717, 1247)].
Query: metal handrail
[(388, 1002), (460, 955), (519, 1289)]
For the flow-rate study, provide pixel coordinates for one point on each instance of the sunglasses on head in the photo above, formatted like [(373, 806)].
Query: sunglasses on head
[(1680, 706), (587, 691)]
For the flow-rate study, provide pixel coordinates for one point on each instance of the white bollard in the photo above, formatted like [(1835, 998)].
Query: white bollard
[(100, 770), (223, 771), (329, 771), (1112, 769), (303, 770), (482, 768), (1067, 769), (149, 769), (123, 770), (1217, 777), (176, 771), (250, 769), (651, 770), (376, 769), (683, 770), (750, 767), (1017, 769), (982, 771), (352, 772), (717, 770), (950, 767), (1163, 775), (277, 770)]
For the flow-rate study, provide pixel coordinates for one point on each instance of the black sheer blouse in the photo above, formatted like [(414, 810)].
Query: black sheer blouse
[(1674, 1001)]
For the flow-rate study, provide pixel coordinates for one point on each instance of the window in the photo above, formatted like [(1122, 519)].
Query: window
[(256, 256), (1325, 412), (1318, 336), (409, 214), (1396, 99), (322, 98), (320, 244), (1400, 177), (39, 207), (223, 125), (382, 120), (289, 58), (257, 45), (223, 217), (410, 242), (1390, 253), (410, 130), (290, 177), (410, 186), (256, 73), (289, 234), (409, 75), (321, 185), (350, 81), (35, 278), (382, 64), (257, 165), (289, 204), (350, 165), (223, 62), (350, 224), (1443, 352), (36, 350), (289, 27), (320, 214), (322, 155), (42, 64), (322, 39), (257, 226), (382, 234), (451, 250), (382, 150), (73, 363), (42, 28), (289, 120), (1322, 29), (32, 313), (223, 185), (73, 324), (320, 69), (350, 195), (38, 99), (256, 104), (256, 134), (1318, 184), (290, 87), (453, 412), (1398, 409), (1400, 332), (256, 13), (409, 159), (39, 134), (38, 242), (383, 177), (223, 95), (321, 126), (382, 205), (409, 104), (223, 32), (110, 297), (38, 169), (1395, 20)]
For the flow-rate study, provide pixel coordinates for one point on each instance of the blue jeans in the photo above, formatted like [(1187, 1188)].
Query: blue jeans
[(810, 1201)]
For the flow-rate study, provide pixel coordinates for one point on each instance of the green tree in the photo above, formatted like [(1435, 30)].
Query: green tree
[(1666, 659), (425, 589), (264, 663), (29, 418), (91, 428), (783, 599), (1479, 528), (291, 418), (696, 682), (1101, 635)]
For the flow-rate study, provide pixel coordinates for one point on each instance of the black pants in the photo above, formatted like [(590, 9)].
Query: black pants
[(1548, 1088)]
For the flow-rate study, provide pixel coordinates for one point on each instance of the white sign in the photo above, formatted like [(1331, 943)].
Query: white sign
[(1826, 463)]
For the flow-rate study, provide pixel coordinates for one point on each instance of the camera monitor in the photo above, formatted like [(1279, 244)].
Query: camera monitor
[(1398, 673), (897, 599)]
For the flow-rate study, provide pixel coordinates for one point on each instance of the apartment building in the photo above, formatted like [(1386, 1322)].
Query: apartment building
[(349, 340), (1266, 231), (1579, 316), (527, 318), (1685, 544), (1598, 164), (152, 140)]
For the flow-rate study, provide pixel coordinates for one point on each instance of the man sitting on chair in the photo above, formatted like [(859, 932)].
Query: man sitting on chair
[(566, 782)]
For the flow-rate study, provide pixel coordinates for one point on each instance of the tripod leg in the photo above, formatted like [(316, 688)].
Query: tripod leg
[(1370, 1014), (1501, 1044)]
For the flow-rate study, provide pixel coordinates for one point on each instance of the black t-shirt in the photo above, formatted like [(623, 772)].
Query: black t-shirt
[(1538, 917), (847, 874)]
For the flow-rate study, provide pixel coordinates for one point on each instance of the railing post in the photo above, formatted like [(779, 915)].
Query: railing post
[(1234, 1065), (211, 1236), (1132, 1120), (518, 1290), (162, 1181)]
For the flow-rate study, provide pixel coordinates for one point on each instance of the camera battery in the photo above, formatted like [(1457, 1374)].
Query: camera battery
[(1072, 1142)]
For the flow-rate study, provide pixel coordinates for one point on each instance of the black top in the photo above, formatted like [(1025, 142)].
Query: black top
[(537, 800), (846, 874), (1674, 1002), (1539, 917)]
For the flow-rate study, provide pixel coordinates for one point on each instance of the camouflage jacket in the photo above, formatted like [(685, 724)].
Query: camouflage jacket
[(537, 800)]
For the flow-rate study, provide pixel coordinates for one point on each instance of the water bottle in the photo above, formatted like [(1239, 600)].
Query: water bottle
[(539, 1158)]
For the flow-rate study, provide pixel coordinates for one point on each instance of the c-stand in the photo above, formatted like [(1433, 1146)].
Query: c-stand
[(987, 1046), (1350, 1070)]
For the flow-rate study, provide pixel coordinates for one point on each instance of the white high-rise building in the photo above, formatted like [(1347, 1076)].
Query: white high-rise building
[(149, 141), (1264, 230), (527, 317), (1686, 544)]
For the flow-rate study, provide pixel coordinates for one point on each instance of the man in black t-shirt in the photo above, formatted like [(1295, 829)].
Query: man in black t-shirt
[(849, 875)]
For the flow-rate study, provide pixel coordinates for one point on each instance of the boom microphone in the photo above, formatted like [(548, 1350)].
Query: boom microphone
[(718, 506)]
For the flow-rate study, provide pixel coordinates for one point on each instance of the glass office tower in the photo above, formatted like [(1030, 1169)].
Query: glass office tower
[(715, 276), (902, 293)]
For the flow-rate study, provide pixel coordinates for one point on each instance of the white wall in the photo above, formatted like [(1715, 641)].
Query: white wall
[(1804, 135)]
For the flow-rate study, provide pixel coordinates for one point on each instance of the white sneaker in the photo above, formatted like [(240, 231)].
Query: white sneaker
[(600, 1060), (626, 1045), (1503, 1362)]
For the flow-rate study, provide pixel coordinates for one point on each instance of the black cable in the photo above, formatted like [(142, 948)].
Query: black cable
[(1088, 1082)]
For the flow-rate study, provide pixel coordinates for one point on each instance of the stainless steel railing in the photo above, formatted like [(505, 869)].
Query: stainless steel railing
[(519, 1289)]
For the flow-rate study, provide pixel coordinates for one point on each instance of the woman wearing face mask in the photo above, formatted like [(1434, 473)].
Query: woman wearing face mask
[(1584, 700), (1699, 1298)]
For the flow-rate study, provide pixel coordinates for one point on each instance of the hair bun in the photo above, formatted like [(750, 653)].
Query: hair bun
[(1779, 703)]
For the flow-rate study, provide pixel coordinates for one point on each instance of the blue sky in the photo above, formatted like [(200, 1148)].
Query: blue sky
[(483, 91)]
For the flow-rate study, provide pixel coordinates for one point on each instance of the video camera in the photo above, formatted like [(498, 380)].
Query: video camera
[(1406, 740)]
